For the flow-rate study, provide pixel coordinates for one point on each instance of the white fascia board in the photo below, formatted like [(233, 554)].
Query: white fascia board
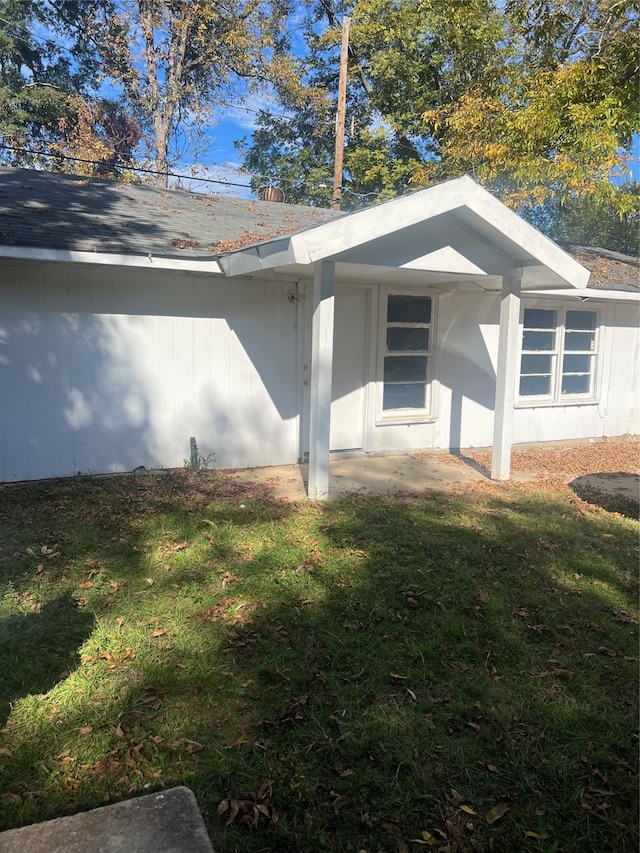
[(148, 262), (281, 252), (325, 241), (592, 294), (534, 243), (339, 235)]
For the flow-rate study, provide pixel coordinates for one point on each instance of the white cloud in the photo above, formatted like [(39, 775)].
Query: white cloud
[(226, 179), (243, 111)]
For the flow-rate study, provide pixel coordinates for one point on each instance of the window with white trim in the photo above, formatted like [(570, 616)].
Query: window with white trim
[(407, 351), (558, 359)]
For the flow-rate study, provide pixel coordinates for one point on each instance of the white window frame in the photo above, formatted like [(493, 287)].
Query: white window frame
[(405, 415), (556, 397)]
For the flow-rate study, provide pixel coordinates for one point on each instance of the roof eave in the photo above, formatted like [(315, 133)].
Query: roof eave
[(592, 294), (279, 252), (148, 261)]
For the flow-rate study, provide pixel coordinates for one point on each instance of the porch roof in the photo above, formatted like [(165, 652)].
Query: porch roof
[(445, 234)]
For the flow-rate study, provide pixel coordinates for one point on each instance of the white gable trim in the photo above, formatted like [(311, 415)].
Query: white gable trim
[(525, 245)]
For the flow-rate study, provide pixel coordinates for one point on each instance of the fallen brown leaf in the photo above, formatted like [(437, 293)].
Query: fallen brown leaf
[(497, 812), (339, 802), (253, 811)]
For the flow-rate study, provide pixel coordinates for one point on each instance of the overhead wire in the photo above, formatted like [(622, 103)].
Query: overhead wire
[(271, 179)]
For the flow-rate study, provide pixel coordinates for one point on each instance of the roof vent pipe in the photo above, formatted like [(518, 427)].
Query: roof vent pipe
[(271, 193)]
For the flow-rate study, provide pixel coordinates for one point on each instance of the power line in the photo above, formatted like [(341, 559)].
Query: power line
[(35, 36), (120, 166), (271, 179)]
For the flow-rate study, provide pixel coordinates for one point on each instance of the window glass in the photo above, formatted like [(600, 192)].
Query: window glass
[(408, 309), (407, 342), (535, 386), (576, 364), (539, 318), (576, 383), (577, 320), (405, 368), (535, 364), (576, 341), (405, 396), (403, 338), (558, 353), (538, 341)]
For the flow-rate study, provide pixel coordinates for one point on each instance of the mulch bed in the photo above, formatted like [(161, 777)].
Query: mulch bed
[(601, 473)]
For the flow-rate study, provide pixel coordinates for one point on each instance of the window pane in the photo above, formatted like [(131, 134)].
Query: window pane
[(576, 364), (535, 364), (539, 341), (408, 309), (539, 318), (576, 384), (405, 368), (581, 320), (574, 341), (408, 396), (535, 386), (402, 338)]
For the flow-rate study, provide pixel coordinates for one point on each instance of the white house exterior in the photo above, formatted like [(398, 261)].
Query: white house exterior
[(438, 320)]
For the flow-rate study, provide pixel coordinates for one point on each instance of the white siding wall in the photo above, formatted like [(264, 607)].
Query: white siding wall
[(466, 335), (618, 388), (106, 369)]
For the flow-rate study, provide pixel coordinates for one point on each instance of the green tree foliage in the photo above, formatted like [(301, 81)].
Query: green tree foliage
[(558, 124), (405, 57), (46, 98), (175, 60), (536, 99)]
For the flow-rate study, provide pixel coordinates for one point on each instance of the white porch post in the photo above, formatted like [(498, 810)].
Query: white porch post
[(321, 367), (506, 375)]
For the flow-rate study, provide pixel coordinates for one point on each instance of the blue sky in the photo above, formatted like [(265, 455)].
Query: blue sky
[(236, 119)]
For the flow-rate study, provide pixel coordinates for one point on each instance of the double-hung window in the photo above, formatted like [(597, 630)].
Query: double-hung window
[(407, 354), (559, 350)]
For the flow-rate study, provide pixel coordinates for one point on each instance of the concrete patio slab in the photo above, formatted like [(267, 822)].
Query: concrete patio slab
[(165, 822), (369, 475)]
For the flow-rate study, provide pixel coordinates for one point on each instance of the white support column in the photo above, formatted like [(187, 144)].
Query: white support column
[(321, 367), (506, 375)]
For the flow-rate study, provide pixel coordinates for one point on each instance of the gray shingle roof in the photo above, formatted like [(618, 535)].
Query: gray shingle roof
[(609, 270), (56, 211)]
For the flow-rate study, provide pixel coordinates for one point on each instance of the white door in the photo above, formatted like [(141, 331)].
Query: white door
[(351, 322)]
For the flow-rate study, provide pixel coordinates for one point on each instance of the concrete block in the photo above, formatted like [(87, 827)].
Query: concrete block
[(165, 822)]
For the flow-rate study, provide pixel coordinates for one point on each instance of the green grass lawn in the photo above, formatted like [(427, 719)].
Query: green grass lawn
[(450, 672)]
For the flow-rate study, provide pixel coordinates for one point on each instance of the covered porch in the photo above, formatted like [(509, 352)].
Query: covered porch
[(450, 237)]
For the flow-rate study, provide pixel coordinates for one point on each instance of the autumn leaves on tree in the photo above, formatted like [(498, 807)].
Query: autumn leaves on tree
[(534, 98)]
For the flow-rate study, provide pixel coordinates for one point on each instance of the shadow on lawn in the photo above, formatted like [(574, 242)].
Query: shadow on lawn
[(390, 649), (441, 650), (39, 649)]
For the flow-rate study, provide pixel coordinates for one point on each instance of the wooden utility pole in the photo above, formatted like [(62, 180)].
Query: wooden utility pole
[(340, 116)]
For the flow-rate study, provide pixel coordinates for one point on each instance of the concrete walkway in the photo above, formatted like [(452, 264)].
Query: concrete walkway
[(370, 475)]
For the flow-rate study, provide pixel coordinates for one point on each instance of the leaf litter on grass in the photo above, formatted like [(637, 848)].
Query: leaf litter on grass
[(409, 651)]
